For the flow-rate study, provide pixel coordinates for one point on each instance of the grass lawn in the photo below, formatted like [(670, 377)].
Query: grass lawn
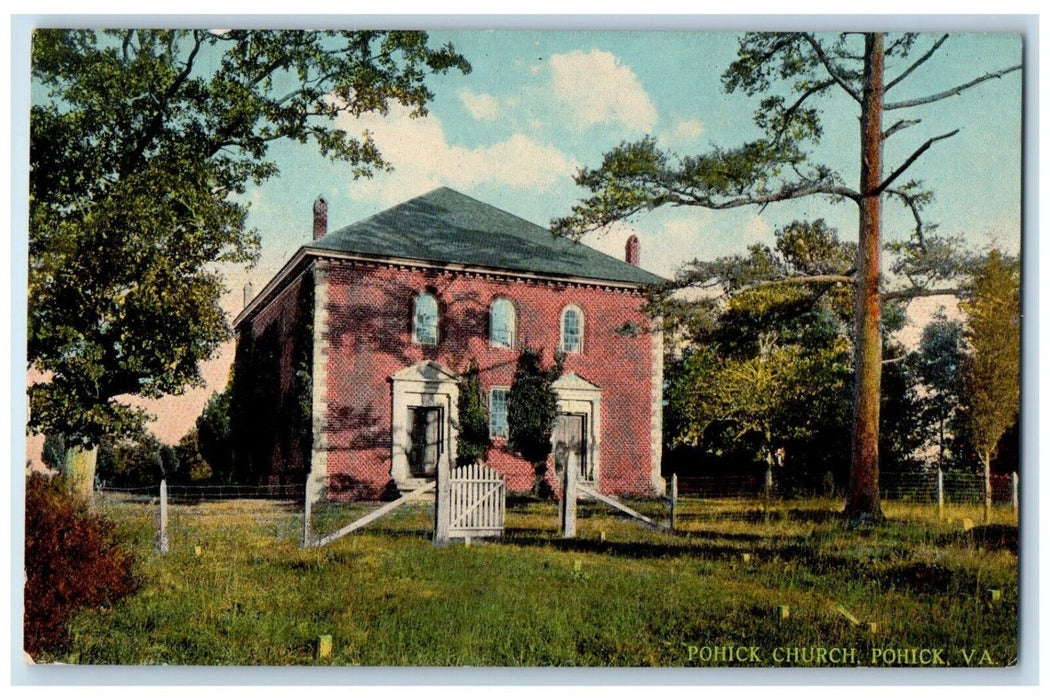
[(618, 595)]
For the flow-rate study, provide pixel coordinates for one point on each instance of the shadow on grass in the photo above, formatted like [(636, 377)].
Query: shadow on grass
[(987, 536), (915, 577), (777, 515)]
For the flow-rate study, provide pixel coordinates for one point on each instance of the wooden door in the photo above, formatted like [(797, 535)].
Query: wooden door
[(425, 437), (570, 444)]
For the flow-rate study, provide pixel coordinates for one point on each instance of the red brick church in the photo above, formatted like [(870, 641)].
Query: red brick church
[(370, 325)]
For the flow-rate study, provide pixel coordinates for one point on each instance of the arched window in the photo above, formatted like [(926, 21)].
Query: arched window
[(503, 324), (572, 329), (425, 320)]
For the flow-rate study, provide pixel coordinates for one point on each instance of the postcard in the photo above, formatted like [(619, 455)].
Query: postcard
[(513, 348)]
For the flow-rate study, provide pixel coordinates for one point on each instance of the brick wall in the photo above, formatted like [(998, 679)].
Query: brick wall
[(368, 336), (278, 446)]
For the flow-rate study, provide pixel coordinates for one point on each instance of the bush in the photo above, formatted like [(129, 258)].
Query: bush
[(72, 561)]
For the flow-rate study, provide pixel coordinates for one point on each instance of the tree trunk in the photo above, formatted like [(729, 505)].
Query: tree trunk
[(78, 469), (862, 504)]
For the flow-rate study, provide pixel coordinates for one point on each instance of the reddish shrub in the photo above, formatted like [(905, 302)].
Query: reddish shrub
[(72, 561)]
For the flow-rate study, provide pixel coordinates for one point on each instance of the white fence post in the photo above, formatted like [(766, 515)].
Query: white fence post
[(308, 503), (940, 493), (674, 499), (442, 512), (1013, 490), (568, 503), (162, 530)]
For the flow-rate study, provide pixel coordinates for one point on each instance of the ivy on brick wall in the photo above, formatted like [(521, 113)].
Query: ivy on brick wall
[(473, 419), (272, 425)]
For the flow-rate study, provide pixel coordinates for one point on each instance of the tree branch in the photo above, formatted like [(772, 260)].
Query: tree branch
[(799, 279), (832, 71), (922, 59), (911, 159), (780, 196), (899, 126), (153, 128), (910, 202), (916, 292), (950, 93), (798, 103)]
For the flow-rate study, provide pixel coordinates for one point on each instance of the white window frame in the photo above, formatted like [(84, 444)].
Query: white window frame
[(561, 328), (506, 412), (513, 341), (415, 319)]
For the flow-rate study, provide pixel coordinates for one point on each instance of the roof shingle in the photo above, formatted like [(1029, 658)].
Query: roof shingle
[(445, 226)]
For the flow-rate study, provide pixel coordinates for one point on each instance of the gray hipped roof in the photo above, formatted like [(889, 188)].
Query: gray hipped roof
[(444, 226)]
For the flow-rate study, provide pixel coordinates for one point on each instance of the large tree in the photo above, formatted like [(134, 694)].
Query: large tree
[(141, 143), (992, 367), (793, 72), (764, 361)]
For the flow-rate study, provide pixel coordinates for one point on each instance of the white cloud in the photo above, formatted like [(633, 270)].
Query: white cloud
[(597, 89), (756, 230), (423, 159), (920, 312), (662, 251), (481, 106), (683, 134)]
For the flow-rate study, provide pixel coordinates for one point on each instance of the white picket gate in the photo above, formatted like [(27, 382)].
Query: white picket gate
[(477, 499)]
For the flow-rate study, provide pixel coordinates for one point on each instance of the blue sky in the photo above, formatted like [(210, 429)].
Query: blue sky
[(540, 104)]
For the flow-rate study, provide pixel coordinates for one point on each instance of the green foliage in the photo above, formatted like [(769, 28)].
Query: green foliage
[(212, 436), (141, 143), (53, 454), (193, 466), (532, 410), (763, 291), (72, 561), (903, 430), (992, 368), (939, 368), (768, 368), (141, 460), (271, 421), (473, 441)]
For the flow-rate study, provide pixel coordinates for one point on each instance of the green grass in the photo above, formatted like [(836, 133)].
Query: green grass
[(637, 597)]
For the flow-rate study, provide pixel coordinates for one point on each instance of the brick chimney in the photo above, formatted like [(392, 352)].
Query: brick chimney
[(633, 250), (248, 293), (320, 218)]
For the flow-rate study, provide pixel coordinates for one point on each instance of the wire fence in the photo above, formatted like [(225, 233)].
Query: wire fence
[(203, 517), (929, 487)]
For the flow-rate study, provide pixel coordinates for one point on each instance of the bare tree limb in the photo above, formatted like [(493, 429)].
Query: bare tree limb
[(922, 59), (909, 201), (899, 126), (916, 292), (831, 69), (911, 159), (950, 93)]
